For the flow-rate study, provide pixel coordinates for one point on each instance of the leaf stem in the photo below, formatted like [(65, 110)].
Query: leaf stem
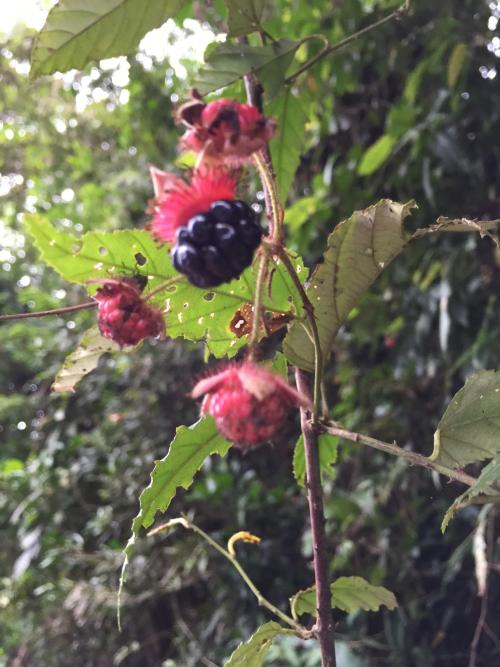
[(331, 48), (411, 457), (46, 313), (309, 310), (257, 303), (263, 601), (324, 624), (275, 210)]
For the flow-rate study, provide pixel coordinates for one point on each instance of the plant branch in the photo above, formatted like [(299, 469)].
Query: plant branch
[(46, 313), (273, 205), (331, 48), (324, 624), (264, 602), (309, 310), (257, 303), (411, 457)]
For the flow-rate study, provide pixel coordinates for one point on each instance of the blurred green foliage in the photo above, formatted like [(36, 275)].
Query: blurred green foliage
[(408, 112)]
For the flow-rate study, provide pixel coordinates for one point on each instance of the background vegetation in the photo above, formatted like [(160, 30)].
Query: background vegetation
[(411, 111)]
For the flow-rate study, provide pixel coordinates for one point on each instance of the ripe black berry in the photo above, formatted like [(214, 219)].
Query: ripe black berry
[(215, 246)]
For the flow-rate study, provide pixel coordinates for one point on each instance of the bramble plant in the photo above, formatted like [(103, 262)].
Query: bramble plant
[(204, 259)]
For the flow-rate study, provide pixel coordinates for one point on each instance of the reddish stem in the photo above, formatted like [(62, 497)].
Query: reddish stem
[(324, 624), (45, 313)]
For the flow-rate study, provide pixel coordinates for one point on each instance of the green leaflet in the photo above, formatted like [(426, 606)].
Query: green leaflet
[(376, 155), (83, 360), (191, 313), (244, 16), (328, 448), (468, 430), (78, 32), (188, 450), (348, 594), (286, 147), (225, 63), (358, 250), (253, 652), (489, 475)]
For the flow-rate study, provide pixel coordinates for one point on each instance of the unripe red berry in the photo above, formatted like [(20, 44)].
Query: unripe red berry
[(225, 130), (250, 404), (122, 314)]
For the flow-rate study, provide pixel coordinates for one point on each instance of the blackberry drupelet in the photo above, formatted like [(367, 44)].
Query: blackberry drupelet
[(215, 246)]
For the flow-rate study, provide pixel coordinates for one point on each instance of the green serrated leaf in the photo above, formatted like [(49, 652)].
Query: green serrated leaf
[(358, 250), (328, 449), (244, 16), (484, 228), (190, 447), (456, 63), (489, 475), (376, 155), (286, 147), (83, 360), (253, 652), (226, 63), (100, 255), (207, 314), (78, 32), (348, 594), (469, 429)]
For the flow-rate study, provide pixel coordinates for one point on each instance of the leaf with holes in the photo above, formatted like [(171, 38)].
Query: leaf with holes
[(490, 474), (207, 314), (328, 447), (468, 430), (226, 63), (253, 652), (348, 594), (244, 16), (83, 360), (100, 255), (289, 112), (190, 447), (78, 32), (358, 250)]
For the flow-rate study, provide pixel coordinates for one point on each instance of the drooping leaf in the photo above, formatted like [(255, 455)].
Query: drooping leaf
[(469, 429), (226, 63), (490, 474), (376, 155), (456, 63), (357, 252), (78, 32), (286, 147), (461, 225), (244, 16), (328, 448), (190, 447), (83, 360), (348, 594), (253, 652)]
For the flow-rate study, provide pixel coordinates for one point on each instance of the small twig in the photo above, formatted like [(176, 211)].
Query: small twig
[(273, 205), (46, 313), (264, 602), (324, 624), (395, 450), (331, 48)]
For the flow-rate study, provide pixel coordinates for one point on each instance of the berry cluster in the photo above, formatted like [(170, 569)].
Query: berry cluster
[(250, 405), (123, 316), (217, 245)]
